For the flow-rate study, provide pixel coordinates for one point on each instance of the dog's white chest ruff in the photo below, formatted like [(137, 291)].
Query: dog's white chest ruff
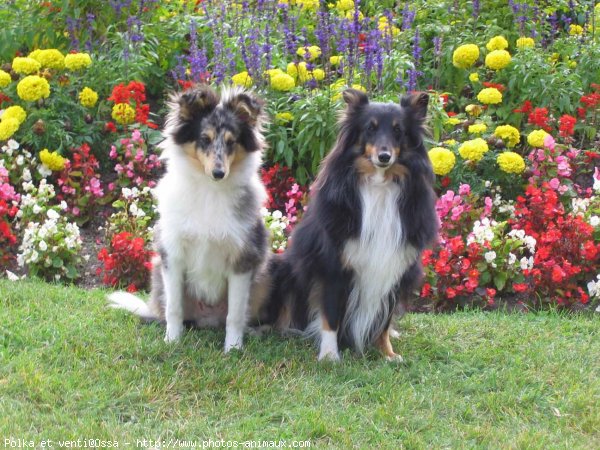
[(201, 227), (378, 258)]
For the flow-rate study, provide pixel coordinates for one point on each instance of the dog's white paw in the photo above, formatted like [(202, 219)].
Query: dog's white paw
[(233, 341), (329, 356), (173, 333), (394, 334), (394, 359)]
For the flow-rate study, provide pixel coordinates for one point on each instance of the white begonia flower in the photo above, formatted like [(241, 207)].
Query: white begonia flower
[(42, 245), (37, 209), (277, 214), (12, 144), (26, 174), (63, 205), (33, 257), (490, 256), (52, 214), (44, 171), (594, 221), (512, 259), (20, 160)]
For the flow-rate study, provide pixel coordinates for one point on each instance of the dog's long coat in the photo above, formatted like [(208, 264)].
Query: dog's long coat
[(210, 236)]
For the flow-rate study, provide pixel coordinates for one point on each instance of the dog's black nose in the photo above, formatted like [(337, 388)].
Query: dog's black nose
[(218, 174), (384, 157)]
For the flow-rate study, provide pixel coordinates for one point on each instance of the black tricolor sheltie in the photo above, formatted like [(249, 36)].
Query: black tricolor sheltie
[(355, 257)]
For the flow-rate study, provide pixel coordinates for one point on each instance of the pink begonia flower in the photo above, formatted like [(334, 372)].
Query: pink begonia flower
[(3, 172), (113, 152), (118, 168), (563, 188), (457, 212), (563, 167), (464, 189), (124, 141), (554, 183), (139, 155), (111, 186), (573, 153), (130, 174), (76, 211), (487, 210), (136, 135), (127, 153), (549, 142)]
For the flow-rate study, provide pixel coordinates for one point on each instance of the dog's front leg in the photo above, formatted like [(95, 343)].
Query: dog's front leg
[(172, 275), (237, 306), (331, 306)]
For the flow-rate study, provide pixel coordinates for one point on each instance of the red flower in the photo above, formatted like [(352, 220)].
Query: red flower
[(450, 293), (567, 125), (110, 127), (525, 109), (539, 117), (520, 287), (498, 86)]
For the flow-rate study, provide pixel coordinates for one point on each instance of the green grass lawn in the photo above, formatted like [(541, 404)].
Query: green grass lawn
[(71, 368)]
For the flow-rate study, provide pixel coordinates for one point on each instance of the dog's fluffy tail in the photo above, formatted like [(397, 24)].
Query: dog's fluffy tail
[(133, 304)]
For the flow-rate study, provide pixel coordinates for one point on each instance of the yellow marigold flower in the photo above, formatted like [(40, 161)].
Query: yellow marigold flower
[(123, 113), (344, 5), (282, 82), (477, 128), (284, 117), (575, 30), (350, 15), (450, 142), (474, 149), (474, 77), (32, 88), (497, 59), (335, 60), (311, 52), (525, 42), (77, 61), (386, 29), (536, 138), (442, 160), (50, 58), (452, 121), (473, 110), (88, 97), (25, 65), (5, 78), (497, 43), (8, 127), (242, 79), (359, 87), (489, 96), (301, 73), (52, 160), (272, 72), (510, 162), (14, 112), (465, 56), (510, 135), (309, 5), (318, 74)]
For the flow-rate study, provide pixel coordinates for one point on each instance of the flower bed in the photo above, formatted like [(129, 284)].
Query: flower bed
[(514, 128)]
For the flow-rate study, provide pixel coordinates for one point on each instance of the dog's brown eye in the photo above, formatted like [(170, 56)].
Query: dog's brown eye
[(204, 140), (371, 128), (397, 130)]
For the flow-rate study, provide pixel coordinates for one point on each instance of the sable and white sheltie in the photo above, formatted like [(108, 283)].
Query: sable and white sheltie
[(355, 257), (210, 237)]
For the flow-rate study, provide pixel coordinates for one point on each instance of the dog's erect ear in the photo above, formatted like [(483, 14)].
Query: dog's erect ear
[(197, 102), (246, 106), (355, 98), (417, 101)]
